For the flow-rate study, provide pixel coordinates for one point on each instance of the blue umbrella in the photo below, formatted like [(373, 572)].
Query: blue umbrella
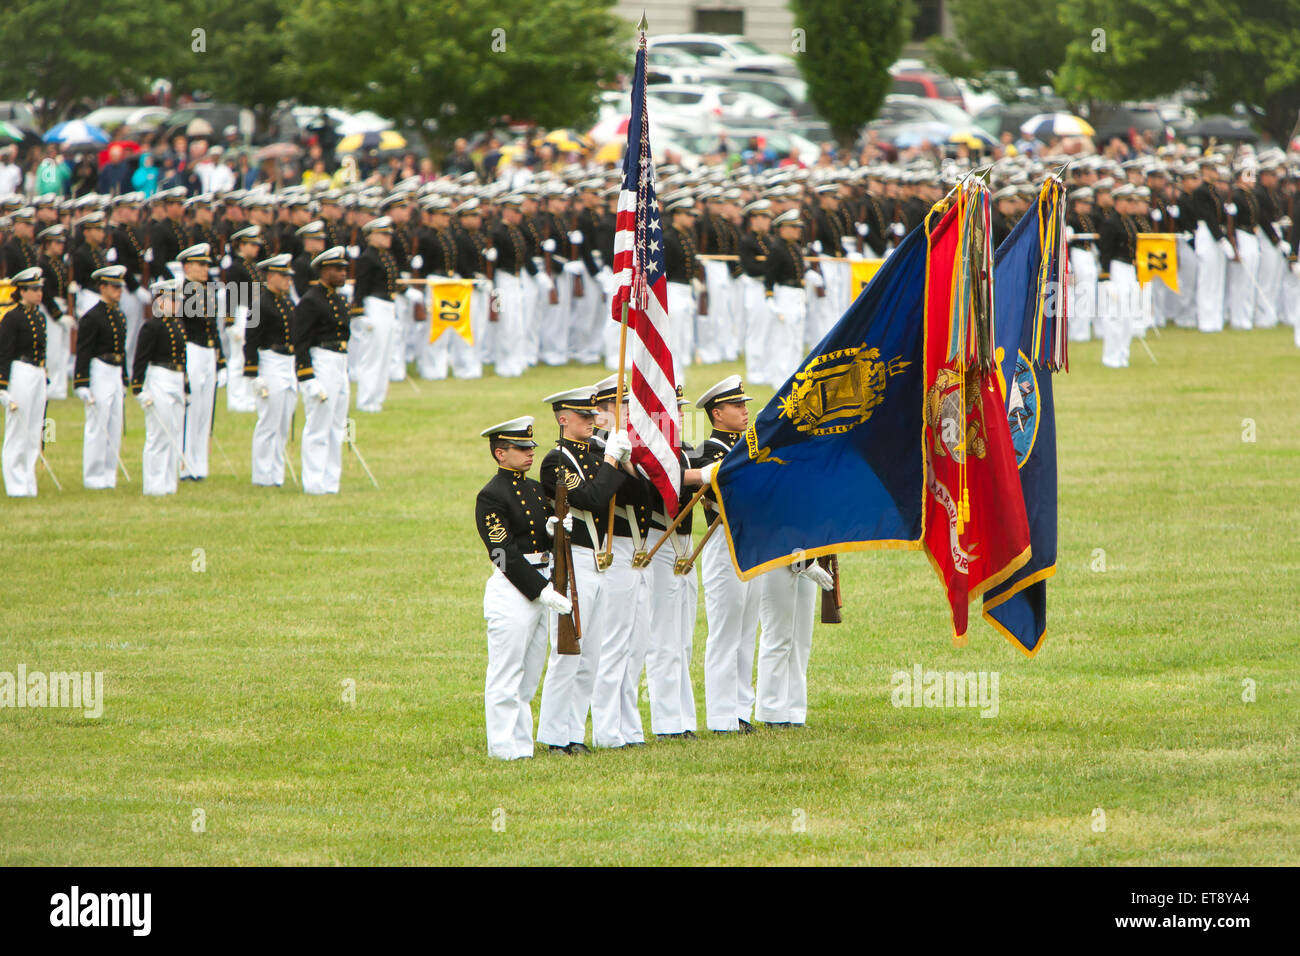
[(913, 134), (76, 131)]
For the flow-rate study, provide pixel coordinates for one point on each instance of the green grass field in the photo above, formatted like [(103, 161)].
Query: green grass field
[(224, 686)]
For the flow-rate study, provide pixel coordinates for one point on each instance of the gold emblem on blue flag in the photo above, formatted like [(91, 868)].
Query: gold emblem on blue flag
[(837, 391)]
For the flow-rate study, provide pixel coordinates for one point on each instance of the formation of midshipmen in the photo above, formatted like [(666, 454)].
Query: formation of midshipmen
[(637, 605)]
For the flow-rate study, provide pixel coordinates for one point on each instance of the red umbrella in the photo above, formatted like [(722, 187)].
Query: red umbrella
[(129, 148)]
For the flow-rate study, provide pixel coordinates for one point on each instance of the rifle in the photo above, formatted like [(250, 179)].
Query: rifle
[(490, 270), (552, 294), (575, 255), (569, 630), (833, 599)]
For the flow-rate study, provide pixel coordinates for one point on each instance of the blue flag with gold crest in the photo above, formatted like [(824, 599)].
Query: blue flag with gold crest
[(1029, 346), (833, 462)]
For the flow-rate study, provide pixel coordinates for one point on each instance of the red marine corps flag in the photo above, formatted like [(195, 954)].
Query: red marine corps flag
[(641, 305)]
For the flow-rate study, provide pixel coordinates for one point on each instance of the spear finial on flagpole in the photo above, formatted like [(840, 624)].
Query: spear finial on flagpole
[(643, 26)]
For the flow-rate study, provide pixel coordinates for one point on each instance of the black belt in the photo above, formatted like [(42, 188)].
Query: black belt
[(170, 366), (111, 358), (30, 360), (335, 345)]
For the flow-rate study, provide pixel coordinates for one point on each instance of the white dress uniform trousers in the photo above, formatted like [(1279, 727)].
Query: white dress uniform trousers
[(1185, 310), (622, 626), (325, 424), (102, 436), (566, 691), (239, 390), (553, 347), (1211, 266), (1122, 316), (583, 348), (135, 306), (1267, 296), (516, 639), (712, 330), (403, 333), (681, 326), (786, 604), (1083, 292), (731, 606), (673, 601), (24, 419), (164, 424), (785, 336), (755, 329), (274, 416), (379, 322), (201, 368), (1243, 281), (58, 355), (511, 333)]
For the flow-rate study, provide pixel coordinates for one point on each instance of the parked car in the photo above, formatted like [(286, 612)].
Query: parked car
[(112, 118), (1109, 121), (788, 93), (928, 85), (698, 99), (668, 64), (728, 51), (218, 116)]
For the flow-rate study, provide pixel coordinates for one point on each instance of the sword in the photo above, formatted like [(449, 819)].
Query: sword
[(357, 451), (284, 446), (167, 432), (116, 451), (53, 476)]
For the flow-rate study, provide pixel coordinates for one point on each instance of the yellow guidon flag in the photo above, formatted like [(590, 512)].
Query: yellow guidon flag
[(1157, 257), (862, 272), (7, 298), (449, 309)]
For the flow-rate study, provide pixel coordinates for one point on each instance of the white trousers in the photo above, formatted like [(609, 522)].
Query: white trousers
[(785, 336), (713, 330), (24, 420), (1211, 267), (274, 416), (379, 324), (1243, 281), (516, 652), (164, 424), (529, 299), (583, 347), (133, 307), (624, 628), (201, 367), (511, 333), (755, 329), (58, 357), (673, 601), (731, 606), (681, 326), (325, 424), (403, 335), (1291, 298), (566, 691), (1122, 314), (102, 436), (1268, 306), (555, 319), (1185, 309), (787, 602), (449, 349), (1083, 293), (819, 311), (239, 390)]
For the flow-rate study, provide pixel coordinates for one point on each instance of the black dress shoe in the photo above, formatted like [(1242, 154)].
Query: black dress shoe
[(689, 734), (746, 727), (777, 723), (578, 747), (556, 748)]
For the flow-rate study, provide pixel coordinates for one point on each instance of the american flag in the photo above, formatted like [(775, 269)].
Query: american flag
[(643, 289)]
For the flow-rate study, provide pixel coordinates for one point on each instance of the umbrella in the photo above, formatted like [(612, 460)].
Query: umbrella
[(198, 127), (611, 152), (279, 151), (1223, 128), (10, 131), (974, 137), (76, 132), (611, 127), (382, 140), (567, 141), (1046, 125), (129, 147)]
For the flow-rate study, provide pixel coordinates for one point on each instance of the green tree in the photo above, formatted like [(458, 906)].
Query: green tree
[(1236, 51), (1027, 36), (61, 52), (454, 68), (848, 46)]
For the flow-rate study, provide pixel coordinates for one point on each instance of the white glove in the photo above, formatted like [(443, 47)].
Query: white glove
[(354, 252), (1226, 246), (66, 322), (554, 602), (1285, 247), (619, 447), (4, 399), (415, 294), (1230, 208), (575, 237), (490, 254), (552, 520), (698, 287), (83, 393), (707, 473), (314, 389), (863, 229), (815, 573), (223, 376), (260, 388), (1155, 215), (574, 267), (1173, 212), (145, 398), (148, 254), (1069, 233), (897, 229), (111, 255), (548, 245), (417, 262), (817, 246), (814, 279), (347, 291), (545, 281), (770, 302), (226, 261)]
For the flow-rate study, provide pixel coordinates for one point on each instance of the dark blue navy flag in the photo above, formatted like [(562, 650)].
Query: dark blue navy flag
[(833, 463), (1028, 305)]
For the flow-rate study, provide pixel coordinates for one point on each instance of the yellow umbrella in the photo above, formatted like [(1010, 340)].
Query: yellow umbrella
[(567, 141), (381, 140), (611, 152), (974, 138)]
